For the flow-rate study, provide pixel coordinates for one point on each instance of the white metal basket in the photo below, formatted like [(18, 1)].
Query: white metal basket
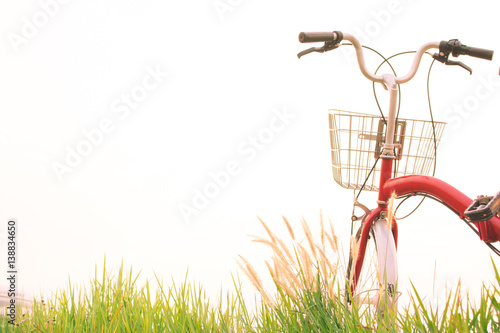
[(356, 143)]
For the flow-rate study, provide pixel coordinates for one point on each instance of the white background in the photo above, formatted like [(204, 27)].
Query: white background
[(228, 69)]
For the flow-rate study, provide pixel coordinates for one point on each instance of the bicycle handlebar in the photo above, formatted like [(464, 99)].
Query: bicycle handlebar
[(333, 39)]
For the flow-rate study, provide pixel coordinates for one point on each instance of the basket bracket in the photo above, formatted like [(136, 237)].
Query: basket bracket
[(399, 137)]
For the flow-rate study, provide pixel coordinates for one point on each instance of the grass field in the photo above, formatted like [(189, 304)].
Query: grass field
[(308, 297)]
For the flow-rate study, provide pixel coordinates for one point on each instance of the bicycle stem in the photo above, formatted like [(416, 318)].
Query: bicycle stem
[(390, 84), (387, 154)]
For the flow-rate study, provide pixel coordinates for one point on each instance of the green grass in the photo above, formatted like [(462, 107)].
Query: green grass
[(119, 305), (308, 297)]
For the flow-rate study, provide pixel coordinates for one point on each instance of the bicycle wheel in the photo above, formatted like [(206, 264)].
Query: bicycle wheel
[(377, 284)]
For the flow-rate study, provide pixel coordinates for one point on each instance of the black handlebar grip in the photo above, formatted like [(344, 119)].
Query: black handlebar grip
[(480, 53), (312, 37)]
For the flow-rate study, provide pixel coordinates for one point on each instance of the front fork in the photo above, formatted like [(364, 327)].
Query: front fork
[(367, 221)]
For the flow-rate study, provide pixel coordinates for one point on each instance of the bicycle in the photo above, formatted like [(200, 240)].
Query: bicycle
[(406, 150)]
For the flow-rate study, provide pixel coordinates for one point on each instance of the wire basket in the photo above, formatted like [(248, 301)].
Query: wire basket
[(357, 140)]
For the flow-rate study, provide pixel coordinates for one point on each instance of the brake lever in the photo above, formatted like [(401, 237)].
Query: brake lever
[(328, 46), (444, 59), (459, 63), (310, 50)]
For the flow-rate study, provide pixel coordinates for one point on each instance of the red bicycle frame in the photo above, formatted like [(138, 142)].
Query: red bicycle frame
[(489, 231)]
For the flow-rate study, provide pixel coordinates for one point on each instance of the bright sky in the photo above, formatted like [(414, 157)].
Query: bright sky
[(116, 115)]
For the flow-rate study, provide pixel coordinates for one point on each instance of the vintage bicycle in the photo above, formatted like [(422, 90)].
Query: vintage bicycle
[(394, 157)]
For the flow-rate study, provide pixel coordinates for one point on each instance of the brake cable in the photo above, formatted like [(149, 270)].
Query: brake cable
[(435, 144)]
